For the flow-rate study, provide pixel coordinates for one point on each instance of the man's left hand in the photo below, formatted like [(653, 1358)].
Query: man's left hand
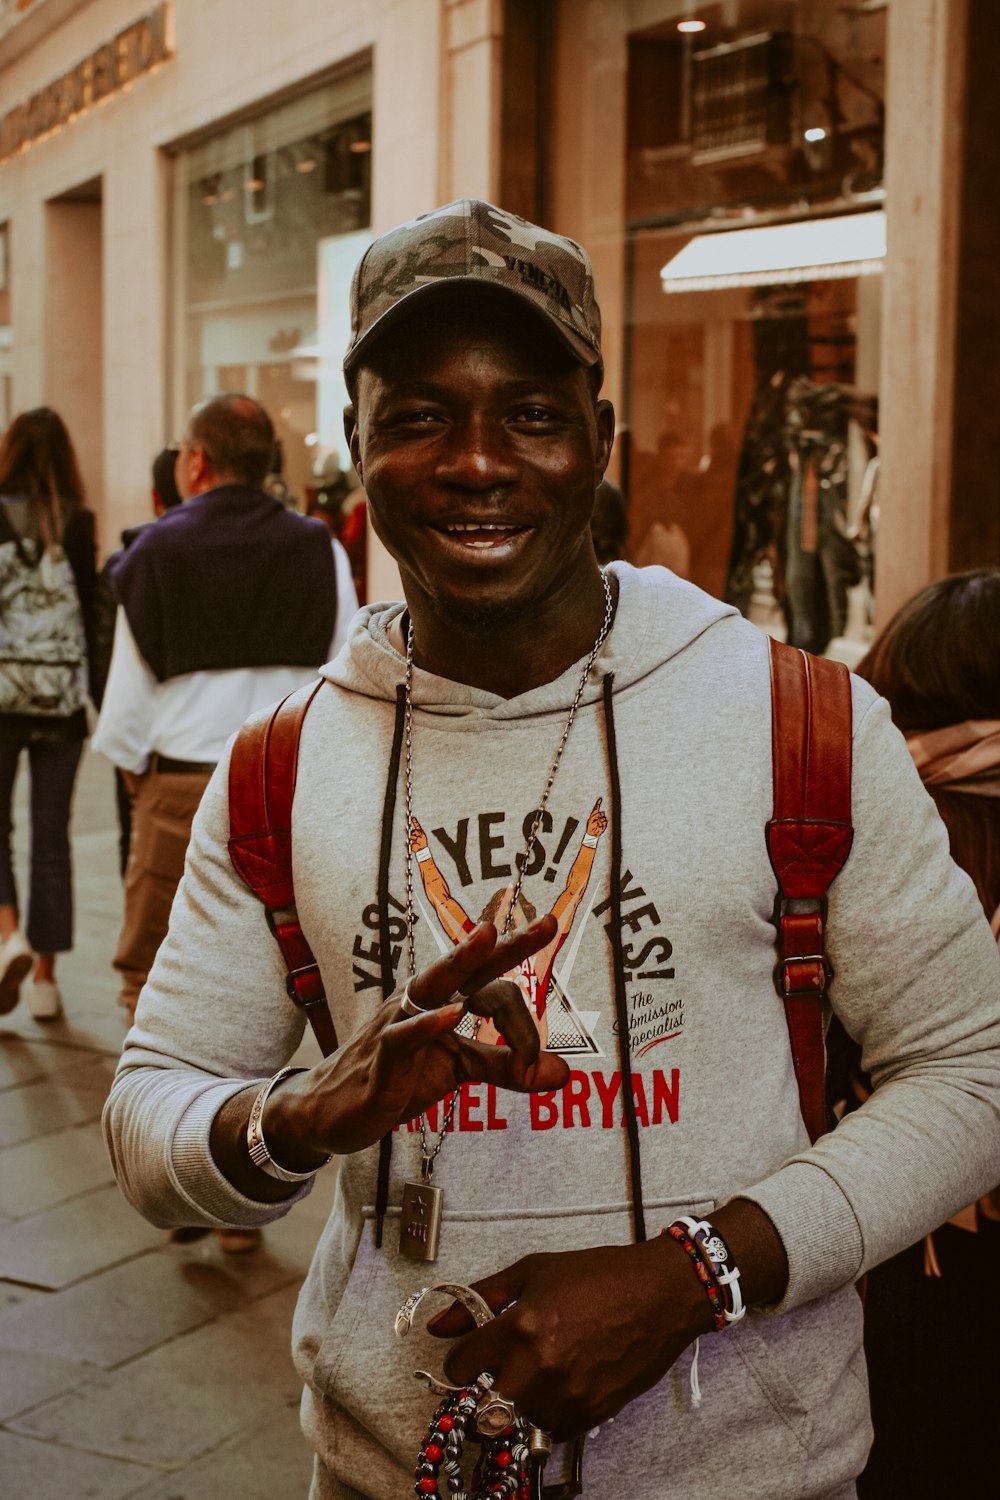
[(579, 1334)]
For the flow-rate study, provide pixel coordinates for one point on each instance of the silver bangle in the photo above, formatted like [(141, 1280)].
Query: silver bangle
[(256, 1145)]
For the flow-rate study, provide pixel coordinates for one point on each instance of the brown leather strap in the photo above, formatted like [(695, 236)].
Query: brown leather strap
[(808, 840), (262, 773)]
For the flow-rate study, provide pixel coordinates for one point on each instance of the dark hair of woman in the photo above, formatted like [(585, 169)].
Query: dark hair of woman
[(938, 660), (38, 463), (937, 663)]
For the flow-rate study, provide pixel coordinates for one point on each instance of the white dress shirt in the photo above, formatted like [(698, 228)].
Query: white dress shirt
[(191, 717)]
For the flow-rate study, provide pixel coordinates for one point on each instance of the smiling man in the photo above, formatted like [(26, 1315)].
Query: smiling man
[(461, 733)]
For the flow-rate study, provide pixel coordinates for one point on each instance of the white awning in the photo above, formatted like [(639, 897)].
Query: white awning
[(810, 250)]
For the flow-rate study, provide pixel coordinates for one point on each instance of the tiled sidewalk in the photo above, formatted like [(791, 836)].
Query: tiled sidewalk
[(128, 1366)]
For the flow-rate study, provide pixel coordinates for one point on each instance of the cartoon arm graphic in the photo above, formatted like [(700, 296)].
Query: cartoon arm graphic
[(451, 915), (568, 901)]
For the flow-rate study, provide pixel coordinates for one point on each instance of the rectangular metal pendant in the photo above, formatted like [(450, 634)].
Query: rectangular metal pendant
[(420, 1221)]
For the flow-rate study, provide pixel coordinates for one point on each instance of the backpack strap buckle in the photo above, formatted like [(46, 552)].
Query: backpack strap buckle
[(802, 969), (805, 976), (298, 985)]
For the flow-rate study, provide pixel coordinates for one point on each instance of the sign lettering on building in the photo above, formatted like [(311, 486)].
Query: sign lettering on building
[(136, 50)]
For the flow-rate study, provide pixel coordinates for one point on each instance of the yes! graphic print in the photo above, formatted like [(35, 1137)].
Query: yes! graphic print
[(560, 1026), (467, 874), (481, 853)]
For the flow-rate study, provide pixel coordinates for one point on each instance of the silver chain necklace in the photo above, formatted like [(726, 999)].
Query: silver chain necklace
[(422, 1199)]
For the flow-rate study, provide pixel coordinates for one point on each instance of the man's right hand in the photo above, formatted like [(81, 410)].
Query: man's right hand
[(397, 1066)]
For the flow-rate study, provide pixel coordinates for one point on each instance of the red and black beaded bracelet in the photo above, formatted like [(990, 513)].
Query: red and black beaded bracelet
[(503, 1465)]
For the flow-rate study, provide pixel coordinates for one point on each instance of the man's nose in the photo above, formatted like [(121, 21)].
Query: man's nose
[(478, 454)]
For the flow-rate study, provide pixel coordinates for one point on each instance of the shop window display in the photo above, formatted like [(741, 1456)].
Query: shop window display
[(750, 453), (270, 217)]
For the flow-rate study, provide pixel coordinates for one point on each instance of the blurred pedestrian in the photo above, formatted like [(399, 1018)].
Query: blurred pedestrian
[(275, 483), (339, 502), (932, 1358), (164, 495), (226, 604), (609, 523), (47, 572)]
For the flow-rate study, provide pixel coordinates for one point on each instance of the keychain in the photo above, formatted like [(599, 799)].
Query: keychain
[(513, 1452)]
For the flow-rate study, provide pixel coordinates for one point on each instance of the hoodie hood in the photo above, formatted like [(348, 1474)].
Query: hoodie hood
[(657, 617)]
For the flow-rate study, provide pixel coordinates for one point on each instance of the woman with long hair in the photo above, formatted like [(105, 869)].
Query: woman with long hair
[(932, 1322), (47, 572)]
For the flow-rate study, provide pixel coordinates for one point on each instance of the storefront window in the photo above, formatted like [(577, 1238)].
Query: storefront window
[(271, 216), (6, 378), (752, 243)]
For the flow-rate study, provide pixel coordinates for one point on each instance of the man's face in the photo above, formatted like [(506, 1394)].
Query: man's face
[(480, 445)]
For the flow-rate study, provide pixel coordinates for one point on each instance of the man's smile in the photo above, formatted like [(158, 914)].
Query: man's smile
[(479, 536)]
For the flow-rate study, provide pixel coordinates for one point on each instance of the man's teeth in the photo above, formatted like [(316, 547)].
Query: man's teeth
[(478, 526)]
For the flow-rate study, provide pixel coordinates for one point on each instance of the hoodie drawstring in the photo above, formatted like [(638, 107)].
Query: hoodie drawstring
[(621, 1003), (695, 1385), (384, 936)]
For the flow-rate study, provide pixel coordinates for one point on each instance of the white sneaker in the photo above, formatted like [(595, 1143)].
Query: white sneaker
[(44, 1000), (15, 960)]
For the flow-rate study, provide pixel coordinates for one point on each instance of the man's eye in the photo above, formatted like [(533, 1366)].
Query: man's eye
[(533, 415), (413, 416)]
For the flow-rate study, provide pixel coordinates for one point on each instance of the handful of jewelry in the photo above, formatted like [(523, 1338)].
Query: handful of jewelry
[(512, 1452)]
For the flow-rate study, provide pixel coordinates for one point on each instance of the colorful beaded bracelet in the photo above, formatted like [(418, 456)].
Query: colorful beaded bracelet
[(717, 1253), (704, 1274)]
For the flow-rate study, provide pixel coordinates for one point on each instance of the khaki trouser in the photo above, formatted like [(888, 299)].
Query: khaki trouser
[(162, 814)]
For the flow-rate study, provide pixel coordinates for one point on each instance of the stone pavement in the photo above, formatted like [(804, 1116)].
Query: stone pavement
[(128, 1366)]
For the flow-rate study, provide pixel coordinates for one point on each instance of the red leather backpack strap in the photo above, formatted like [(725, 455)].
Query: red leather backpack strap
[(808, 840), (262, 773)]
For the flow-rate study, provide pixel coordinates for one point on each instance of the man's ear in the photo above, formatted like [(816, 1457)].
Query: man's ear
[(199, 470), (605, 414), (353, 438)]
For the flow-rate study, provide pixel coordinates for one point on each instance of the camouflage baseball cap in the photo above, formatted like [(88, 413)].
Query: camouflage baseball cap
[(474, 243)]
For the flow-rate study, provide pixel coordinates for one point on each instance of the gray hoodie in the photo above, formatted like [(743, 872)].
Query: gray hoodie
[(784, 1409)]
